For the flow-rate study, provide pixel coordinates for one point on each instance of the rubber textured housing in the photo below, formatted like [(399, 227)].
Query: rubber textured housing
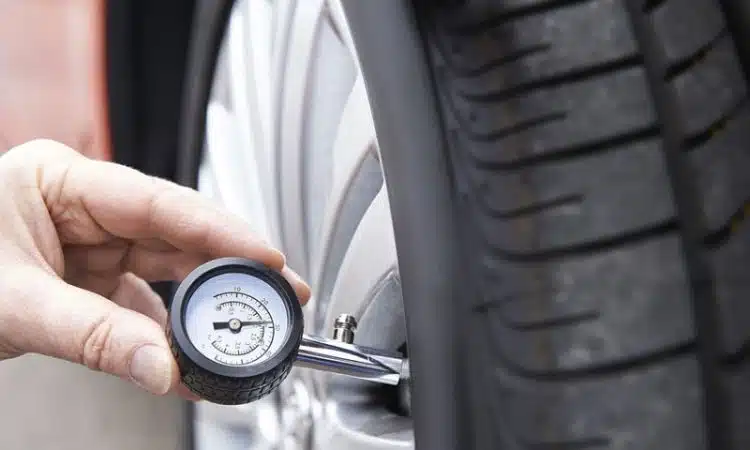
[(226, 390), (223, 384)]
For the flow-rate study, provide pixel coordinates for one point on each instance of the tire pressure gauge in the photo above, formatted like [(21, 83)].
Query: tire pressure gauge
[(236, 328)]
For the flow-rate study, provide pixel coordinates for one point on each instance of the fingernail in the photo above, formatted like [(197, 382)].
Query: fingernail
[(151, 369), (183, 391), (281, 256), (302, 288), (193, 398)]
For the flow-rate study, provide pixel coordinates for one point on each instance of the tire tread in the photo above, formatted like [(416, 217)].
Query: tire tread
[(595, 182)]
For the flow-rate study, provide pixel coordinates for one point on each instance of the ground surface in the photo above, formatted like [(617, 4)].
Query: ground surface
[(47, 404)]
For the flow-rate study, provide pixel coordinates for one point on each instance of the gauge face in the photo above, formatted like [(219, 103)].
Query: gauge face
[(237, 319)]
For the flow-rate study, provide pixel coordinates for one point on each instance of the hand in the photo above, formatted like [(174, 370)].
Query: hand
[(80, 239)]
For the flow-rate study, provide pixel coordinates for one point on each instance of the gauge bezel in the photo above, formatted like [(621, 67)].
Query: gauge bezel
[(237, 265)]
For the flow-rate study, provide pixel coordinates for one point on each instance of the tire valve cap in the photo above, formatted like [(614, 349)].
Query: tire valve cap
[(343, 328)]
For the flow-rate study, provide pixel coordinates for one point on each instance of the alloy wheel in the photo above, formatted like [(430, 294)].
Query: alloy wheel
[(291, 146)]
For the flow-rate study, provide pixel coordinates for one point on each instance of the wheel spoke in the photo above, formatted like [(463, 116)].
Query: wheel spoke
[(353, 187), (222, 135), (371, 258), (354, 421), (289, 165), (355, 136), (339, 21), (248, 67)]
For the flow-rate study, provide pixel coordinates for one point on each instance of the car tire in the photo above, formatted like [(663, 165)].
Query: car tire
[(568, 188)]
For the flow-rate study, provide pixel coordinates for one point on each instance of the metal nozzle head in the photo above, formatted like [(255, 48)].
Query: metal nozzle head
[(343, 328)]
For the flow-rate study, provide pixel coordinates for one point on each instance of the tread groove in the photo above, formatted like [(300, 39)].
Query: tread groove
[(580, 444), (536, 208), (486, 305), (642, 361), (738, 357), (650, 5), (589, 248), (519, 127), (574, 151), (690, 61), (469, 72), (722, 235), (557, 80), (548, 324), (697, 140), (498, 134), (512, 14), (693, 230)]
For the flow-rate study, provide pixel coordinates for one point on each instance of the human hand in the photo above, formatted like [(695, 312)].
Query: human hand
[(80, 239)]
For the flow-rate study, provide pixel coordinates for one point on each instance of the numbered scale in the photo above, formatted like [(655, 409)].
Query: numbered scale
[(236, 329)]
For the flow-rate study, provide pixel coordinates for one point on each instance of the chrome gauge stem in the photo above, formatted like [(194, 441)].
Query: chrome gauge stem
[(236, 328), (352, 360)]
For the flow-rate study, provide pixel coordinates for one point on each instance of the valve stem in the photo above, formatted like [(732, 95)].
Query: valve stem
[(340, 355), (343, 328)]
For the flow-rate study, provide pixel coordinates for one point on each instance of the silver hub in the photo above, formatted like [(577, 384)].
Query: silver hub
[(291, 146)]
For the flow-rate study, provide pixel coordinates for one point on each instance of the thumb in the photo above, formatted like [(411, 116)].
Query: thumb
[(63, 321)]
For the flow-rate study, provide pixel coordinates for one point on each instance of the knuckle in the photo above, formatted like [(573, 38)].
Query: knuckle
[(194, 220), (22, 164), (160, 201), (96, 342), (12, 318), (200, 230), (40, 149)]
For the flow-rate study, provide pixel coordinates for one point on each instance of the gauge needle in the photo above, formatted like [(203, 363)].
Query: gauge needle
[(223, 325)]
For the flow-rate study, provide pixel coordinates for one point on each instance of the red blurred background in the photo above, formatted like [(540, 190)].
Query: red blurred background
[(51, 77)]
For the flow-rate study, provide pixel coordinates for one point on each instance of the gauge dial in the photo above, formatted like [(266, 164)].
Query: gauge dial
[(235, 327), (243, 327), (236, 319)]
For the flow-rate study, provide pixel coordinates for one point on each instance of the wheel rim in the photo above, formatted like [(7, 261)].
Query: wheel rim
[(324, 203)]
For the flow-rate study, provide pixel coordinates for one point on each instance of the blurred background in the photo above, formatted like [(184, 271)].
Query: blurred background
[(51, 82), (52, 85)]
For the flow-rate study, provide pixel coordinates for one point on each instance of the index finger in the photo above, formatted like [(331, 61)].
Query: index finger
[(155, 208), (107, 197)]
